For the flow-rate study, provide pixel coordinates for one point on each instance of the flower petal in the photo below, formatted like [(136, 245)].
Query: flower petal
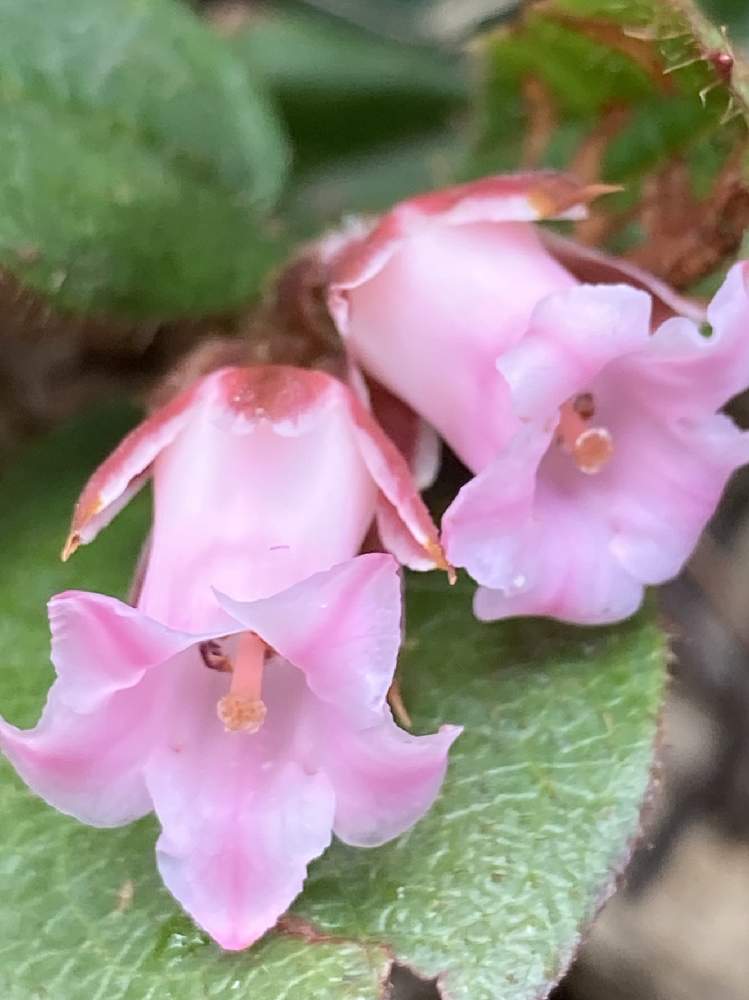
[(430, 325), (241, 820), (693, 372), (398, 540), (668, 487), (390, 471), (414, 438), (269, 485), (574, 584), (522, 197), (341, 627), (124, 472), (537, 549), (101, 646), (593, 267), (488, 527), (384, 778), (102, 715), (572, 336)]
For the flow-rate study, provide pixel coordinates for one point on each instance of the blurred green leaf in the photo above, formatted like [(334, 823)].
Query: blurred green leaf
[(639, 93), (372, 181), (298, 51), (491, 890), (138, 158), (733, 13), (371, 120), (417, 20)]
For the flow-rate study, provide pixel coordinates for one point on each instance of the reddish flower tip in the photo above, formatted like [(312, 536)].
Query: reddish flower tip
[(552, 199), (436, 553), (71, 544), (85, 511)]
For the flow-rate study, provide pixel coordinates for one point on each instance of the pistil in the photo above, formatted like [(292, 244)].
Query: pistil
[(590, 447), (242, 710)]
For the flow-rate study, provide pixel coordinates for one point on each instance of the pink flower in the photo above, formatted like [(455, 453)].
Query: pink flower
[(443, 284), (262, 476), (597, 447), (255, 724), (251, 741)]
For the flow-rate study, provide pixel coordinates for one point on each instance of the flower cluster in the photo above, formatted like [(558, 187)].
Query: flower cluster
[(581, 393), (242, 696)]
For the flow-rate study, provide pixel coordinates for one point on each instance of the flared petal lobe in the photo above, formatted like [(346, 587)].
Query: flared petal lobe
[(127, 469), (241, 815), (102, 718), (384, 779), (692, 370), (341, 627)]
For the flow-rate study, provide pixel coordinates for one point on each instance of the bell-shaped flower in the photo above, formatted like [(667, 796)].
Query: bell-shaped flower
[(596, 444), (619, 457), (442, 285), (261, 477), (251, 742)]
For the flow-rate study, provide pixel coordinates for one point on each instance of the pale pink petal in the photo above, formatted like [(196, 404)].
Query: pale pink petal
[(384, 778), (454, 275), (102, 715), (390, 471), (430, 325), (341, 627), (489, 526), (664, 486), (576, 585), (398, 540), (88, 765), (508, 198), (593, 267), (538, 543), (414, 438), (572, 336), (556, 562), (267, 483), (125, 471), (692, 372), (101, 645), (241, 818)]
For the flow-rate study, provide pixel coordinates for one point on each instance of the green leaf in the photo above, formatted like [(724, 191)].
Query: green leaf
[(372, 181), (299, 51), (368, 117), (137, 161), (491, 890), (733, 13), (638, 93)]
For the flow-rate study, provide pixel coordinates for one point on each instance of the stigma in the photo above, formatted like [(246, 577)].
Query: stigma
[(240, 714), (590, 447), (242, 710)]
